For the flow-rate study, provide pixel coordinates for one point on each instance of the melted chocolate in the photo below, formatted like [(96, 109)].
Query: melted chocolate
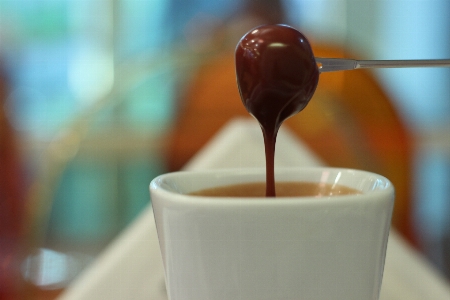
[(277, 75)]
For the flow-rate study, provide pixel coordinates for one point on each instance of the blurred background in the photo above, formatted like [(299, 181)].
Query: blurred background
[(90, 90)]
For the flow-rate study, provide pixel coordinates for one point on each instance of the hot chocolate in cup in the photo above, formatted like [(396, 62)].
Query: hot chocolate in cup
[(329, 245)]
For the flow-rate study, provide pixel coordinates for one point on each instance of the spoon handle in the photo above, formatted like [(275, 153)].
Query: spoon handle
[(342, 64)]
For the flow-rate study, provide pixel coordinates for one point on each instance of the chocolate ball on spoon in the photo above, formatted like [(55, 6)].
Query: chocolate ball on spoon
[(277, 73)]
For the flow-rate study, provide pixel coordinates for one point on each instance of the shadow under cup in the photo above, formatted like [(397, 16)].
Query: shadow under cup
[(272, 248)]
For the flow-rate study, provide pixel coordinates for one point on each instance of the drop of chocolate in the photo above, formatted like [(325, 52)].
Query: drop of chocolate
[(277, 75)]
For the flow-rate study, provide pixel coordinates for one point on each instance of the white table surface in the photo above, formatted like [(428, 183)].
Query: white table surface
[(131, 267)]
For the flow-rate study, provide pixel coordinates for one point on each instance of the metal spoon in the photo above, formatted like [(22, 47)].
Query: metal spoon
[(342, 64)]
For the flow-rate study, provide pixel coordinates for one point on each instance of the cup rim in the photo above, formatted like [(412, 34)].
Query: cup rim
[(385, 187)]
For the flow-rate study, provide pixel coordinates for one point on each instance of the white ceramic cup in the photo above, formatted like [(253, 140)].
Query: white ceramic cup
[(325, 248)]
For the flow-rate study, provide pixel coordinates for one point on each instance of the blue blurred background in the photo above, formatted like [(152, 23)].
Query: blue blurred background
[(94, 85)]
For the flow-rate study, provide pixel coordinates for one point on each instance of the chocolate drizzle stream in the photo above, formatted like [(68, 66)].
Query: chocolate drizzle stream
[(277, 75)]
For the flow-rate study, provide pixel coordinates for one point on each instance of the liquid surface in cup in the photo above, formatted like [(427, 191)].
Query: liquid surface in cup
[(284, 189)]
